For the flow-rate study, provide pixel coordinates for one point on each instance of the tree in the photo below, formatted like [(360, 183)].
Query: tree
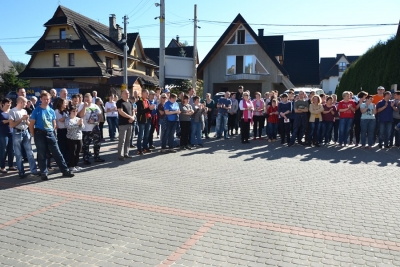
[(11, 82), (19, 66)]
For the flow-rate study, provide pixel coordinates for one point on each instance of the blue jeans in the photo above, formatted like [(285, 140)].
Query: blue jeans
[(395, 134), (299, 127), (6, 150), (326, 131), (195, 137), (384, 132), (134, 132), (46, 141), (144, 129), (344, 130), (112, 126), (23, 139), (221, 125), (314, 126), (272, 130), (168, 135), (367, 129)]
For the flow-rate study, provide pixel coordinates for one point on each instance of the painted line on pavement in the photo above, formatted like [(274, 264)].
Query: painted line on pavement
[(36, 212), (281, 228), (177, 254)]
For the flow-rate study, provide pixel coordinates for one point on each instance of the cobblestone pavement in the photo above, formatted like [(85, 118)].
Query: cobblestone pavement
[(227, 204)]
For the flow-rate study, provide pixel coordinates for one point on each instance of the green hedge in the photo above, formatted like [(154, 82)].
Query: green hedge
[(380, 65)]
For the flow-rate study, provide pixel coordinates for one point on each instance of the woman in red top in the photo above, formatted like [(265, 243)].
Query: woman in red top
[(273, 120), (346, 108)]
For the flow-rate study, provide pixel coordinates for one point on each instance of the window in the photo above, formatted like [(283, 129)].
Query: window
[(244, 64), (342, 66), (56, 60), (71, 59), (108, 63), (149, 72), (63, 34), (241, 36), (120, 63)]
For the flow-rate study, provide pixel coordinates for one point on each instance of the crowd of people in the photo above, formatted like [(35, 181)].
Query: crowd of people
[(64, 128)]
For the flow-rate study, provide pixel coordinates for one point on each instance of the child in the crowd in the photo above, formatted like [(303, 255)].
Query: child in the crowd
[(74, 138), (273, 121)]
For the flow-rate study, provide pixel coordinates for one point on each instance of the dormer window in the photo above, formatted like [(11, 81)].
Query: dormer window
[(342, 66), (240, 37), (63, 34)]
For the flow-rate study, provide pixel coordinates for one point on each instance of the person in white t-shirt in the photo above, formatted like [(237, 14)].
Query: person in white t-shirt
[(112, 116), (91, 115)]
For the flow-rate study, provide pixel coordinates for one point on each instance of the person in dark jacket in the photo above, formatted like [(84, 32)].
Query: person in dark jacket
[(144, 109)]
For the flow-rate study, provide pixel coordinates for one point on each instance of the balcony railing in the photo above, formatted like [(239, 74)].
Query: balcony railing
[(58, 44)]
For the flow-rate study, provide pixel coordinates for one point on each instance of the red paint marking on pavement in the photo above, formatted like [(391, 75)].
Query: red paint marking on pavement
[(177, 254), (36, 212), (281, 228)]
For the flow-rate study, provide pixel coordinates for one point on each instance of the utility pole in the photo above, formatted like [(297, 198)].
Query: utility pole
[(162, 45), (124, 42), (194, 79)]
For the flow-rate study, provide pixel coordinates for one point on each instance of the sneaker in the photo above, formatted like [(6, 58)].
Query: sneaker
[(139, 152), (171, 150), (163, 151), (146, 151), (78, 168), (73, 169), (200, 145), (99, 160), (68, 174), (182, 148), (188, 147), (128, 156), (132, 146), (152, 147)]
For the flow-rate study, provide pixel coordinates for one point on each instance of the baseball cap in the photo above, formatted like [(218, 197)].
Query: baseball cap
[(166, 91), (381, 88), (152, 92)]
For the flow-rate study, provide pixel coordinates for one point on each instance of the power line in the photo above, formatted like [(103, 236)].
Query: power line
[(305, 25)]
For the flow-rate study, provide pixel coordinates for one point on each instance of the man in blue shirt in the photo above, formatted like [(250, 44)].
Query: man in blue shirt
[(223, 105), (42, 126), (384, 110), (171, 109)]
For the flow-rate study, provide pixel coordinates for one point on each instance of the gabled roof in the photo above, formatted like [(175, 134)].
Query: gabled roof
[(329, 65), (154, 53), (301, 61), (325, 65), (224, 38), (274, 43), (174, 43)]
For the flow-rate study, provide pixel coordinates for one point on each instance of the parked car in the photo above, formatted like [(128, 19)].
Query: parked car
[(307, 90)]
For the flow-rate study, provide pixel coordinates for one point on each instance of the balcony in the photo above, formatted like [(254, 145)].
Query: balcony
[(246, 76), (58, 44)]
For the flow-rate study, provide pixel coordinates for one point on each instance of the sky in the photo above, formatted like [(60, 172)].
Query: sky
[(23, 21)]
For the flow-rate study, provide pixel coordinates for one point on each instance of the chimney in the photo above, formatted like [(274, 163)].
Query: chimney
[(119, 33), (177, 38), (260, 32), (113, 31)]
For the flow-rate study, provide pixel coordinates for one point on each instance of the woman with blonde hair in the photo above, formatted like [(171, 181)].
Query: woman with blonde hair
[(315, 110)]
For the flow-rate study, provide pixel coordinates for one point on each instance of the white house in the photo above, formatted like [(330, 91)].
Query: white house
[(331, 70)]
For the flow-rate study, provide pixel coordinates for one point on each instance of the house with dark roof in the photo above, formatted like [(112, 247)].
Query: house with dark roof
[(78, 51), (5, 63), (331, 70), (259, 63)]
